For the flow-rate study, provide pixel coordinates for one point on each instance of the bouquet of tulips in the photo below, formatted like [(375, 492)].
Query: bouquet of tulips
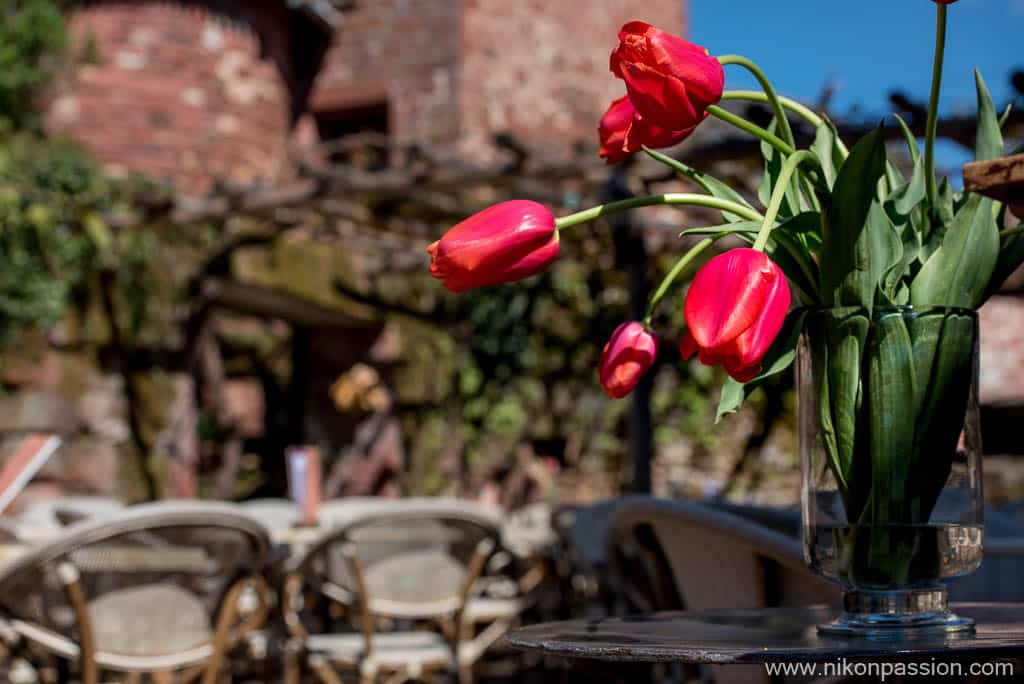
[(838, 231)]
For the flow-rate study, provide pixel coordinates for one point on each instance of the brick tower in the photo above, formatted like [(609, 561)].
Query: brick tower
[(194, 91)]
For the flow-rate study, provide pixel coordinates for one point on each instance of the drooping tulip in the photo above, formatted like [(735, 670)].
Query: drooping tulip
[(628, 354), (734, 309), (670, 81), (623, 131), (506, 242)]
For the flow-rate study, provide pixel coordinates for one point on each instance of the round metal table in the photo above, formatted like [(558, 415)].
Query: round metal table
[(763, 636)]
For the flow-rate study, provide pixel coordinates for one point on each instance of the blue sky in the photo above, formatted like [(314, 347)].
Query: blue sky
[(865, 47)]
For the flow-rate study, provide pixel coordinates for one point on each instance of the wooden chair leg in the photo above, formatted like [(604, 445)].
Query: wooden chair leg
[(323, 671), (72, 581), (163, 677), (222, 634)]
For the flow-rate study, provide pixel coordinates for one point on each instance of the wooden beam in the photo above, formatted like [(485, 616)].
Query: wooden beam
[(266, 302), (1001, 179)]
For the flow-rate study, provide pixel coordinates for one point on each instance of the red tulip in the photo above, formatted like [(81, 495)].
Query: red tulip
[(945, 2), (501, 244), (734, 310), (630, 351), (670, 81), (623, 132)]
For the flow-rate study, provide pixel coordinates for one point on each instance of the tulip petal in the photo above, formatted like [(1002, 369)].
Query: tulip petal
[(727, 295), (629, 352), (503, 243), (612, 129), (670, 80), (753, 343), (687, 345)]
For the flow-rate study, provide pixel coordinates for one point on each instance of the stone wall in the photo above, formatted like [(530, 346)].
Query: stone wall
[(179, 93)]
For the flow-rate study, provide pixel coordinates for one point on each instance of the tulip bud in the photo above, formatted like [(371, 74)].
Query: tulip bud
[(734, 309), (670, 81), (630, 351), (623, 131), (501, 244)]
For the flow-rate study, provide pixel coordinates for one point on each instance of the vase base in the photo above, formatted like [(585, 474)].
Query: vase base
[(897, 615)]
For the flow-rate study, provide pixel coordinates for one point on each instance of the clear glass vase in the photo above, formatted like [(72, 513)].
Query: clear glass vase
[(890, 451)]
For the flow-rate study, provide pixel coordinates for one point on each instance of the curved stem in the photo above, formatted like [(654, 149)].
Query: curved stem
[(769, 91), (755, 130), (931, 125), (801, 110), (675, 271), (668, 198), (778, 193)]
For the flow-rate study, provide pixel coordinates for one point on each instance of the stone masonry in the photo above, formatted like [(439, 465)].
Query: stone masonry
[(177, 93)]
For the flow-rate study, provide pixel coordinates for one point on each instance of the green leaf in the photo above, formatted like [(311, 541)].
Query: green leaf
[(989, 143), (1005, 116), (960, 270), (778, 358), (706, 182), (826, 148), (909, 195), (943, 348), (890, 392), (1011, 256), (783, 247), (908, 136), (793, 203), (850, 266)]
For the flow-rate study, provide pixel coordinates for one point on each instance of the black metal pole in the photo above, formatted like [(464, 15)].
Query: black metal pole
[(631, 257)]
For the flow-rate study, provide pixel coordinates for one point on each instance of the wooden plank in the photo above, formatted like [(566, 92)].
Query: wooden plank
[(1001, 179)]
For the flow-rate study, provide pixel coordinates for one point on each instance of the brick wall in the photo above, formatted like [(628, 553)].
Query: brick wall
[(540, 68), (402, 52), (458, 70), (185, 94), (178, 93)]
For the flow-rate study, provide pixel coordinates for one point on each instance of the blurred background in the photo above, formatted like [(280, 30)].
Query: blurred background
[(214, 215)]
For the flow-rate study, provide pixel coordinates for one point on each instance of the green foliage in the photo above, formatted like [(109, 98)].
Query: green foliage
[(32, 36), (46, 190)]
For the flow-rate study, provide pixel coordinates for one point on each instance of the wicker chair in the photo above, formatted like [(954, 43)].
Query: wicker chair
[(416, 564), (160, 588), (716, 559), (673, 554)]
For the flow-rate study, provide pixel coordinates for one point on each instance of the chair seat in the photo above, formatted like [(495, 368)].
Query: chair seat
[(149, 620), (390, 649), (488, 609)]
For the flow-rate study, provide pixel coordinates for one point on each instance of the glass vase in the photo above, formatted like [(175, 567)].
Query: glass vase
[(890, 452)]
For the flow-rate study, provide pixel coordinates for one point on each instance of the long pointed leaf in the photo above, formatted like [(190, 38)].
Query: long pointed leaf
[(849, 269)]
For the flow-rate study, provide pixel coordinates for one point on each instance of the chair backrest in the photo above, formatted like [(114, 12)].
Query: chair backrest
[(55, 514), (717, 559), (272, 513), (415, 557), (176, 559)]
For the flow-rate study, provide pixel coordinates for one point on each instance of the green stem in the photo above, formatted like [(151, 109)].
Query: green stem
[(676, 270), (1010, 232), (778, 193), (769, 91), (668, 198), (804, 112), (755, 130), (801, 110), (931, 126)]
